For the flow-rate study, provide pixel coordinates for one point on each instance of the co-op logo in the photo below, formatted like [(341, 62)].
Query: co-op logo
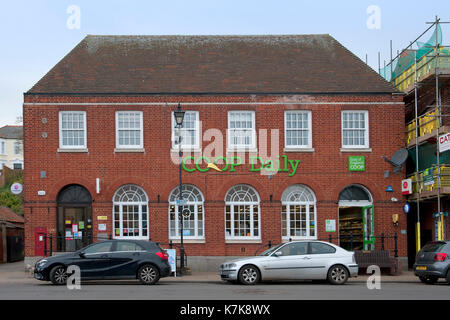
[(223, 164)]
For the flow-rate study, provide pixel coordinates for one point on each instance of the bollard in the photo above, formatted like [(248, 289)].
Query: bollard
[(51, 245), (170, 244), (329, 238), (382, 241), (270, 244), (395, 243), (45, 244)]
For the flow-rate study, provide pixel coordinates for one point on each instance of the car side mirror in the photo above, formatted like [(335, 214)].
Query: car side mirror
[(278, 254), (82, 254)]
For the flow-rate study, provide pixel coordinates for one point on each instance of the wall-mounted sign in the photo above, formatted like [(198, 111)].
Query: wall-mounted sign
[(406, 186), (102, 227), (356, 163), (16, 188), (102, 218), (330, 225), (389, 189), (223, 164), (41, 193), (406, 207), (444, 142)]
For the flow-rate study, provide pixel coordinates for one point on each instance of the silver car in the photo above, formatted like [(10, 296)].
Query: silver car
[(296, 260)]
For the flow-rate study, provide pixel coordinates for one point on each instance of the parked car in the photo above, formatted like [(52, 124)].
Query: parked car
[(297, 260), (433, 262), (112, 259)]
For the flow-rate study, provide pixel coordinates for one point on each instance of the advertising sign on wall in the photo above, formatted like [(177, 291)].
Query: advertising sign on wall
[(356, 163), (444, 142), (406, 186)]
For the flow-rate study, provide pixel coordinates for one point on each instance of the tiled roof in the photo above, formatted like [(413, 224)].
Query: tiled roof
[(211, 64), (6, 214), (11, 132)]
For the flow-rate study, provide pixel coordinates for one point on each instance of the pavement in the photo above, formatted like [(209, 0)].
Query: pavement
[(14, 273)]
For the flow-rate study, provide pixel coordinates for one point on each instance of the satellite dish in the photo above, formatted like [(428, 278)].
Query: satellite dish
[(398, 159)]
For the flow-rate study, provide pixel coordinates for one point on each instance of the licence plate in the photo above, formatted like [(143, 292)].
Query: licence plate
[(421, 268)]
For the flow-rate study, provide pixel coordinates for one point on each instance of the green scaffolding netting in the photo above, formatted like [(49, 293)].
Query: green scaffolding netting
[(407, 58)]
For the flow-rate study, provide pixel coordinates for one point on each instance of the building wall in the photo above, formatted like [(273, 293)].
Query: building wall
[(9, 157), (325, 170)]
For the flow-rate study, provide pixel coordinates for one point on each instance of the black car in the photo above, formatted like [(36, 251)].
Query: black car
[(112, 259), (433, 262)]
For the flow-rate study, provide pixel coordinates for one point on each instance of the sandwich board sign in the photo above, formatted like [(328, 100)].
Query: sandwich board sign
[(172, 253)]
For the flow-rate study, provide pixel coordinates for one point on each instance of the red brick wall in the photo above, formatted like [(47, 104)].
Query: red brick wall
[(325, 171)]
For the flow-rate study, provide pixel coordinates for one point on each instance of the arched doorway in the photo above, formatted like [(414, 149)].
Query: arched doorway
[(74, 225), (356, 218)]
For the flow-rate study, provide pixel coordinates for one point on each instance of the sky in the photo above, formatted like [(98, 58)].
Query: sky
[(35, 35)]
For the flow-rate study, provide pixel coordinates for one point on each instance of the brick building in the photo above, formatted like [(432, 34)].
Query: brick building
[(101, 158)]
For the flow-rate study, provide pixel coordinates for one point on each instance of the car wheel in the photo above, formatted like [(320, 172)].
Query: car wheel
[(148, 274), (249, 275), (58, 275), (428, 280), (337, 275)]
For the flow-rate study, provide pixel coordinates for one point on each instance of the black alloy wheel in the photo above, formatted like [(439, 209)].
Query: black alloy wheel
[(148, 274), (58, 275)]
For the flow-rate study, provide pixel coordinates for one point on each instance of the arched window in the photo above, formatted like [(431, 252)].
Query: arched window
[(130, 211), (242, 213), (355, 193), (193, 218), (298, 213)]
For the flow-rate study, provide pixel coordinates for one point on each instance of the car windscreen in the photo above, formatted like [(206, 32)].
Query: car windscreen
[(269, 251), (433, 247)]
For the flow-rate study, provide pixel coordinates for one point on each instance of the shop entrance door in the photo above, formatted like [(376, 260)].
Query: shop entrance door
[(76, 232), (74, 218), (356, 218)]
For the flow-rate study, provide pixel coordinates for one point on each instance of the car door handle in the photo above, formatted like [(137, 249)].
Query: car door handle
[(306, 258), (104, 256)]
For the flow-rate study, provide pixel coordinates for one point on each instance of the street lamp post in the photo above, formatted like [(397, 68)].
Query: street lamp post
[(179, 116)]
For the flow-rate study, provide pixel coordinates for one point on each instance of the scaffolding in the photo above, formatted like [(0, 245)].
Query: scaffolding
[(416, 72)]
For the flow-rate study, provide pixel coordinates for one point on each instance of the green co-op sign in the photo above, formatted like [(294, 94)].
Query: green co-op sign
[(222, 164)]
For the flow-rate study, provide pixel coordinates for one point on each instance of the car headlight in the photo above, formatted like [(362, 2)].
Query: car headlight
[(229, 265), (41, 263)]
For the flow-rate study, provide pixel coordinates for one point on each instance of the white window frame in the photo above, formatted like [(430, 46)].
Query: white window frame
[(175, 145), (196, 204), (2, 147), (121, 204), (366, 130), (141, 130), (231, 204), (61, 146), (307, 204), (16, 162), (250, 147), (301, 146), (19, 145)]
